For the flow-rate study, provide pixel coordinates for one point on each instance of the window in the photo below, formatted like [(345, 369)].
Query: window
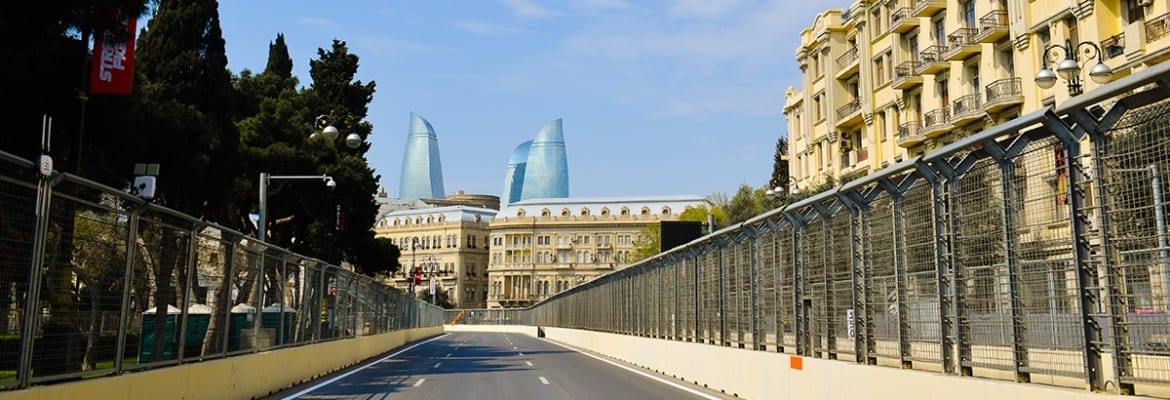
[(879, 121), (879, 73), (940, 34), (1134, 11), (875, 17), (969, 18), (818, 107)]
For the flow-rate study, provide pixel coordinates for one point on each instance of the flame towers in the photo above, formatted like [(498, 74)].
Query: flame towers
[(422, 172), (539, 169)]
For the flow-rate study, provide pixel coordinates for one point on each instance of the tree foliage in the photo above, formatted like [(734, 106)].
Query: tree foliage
[(648, 244)]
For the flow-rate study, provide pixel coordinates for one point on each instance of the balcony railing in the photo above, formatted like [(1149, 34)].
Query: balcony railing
[(932, 60), (1157, 27), (966, 108), (1003, 89), (847, 59), (961, 42), (849, 108), (993, 26), (906, 74), (902, 20), (936, 120), (1003, 93), (909, 133), (926, 8), (1113, 46)]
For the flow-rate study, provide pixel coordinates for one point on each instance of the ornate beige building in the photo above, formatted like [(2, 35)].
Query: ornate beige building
[(541, 247), (887, 80), (449, 243)]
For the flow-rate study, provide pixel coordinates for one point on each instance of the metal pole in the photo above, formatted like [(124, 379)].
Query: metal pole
[(1160, 214), (263, 206)]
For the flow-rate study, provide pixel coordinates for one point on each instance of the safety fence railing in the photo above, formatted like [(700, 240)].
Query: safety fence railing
[(1036, 250), (95, 281)]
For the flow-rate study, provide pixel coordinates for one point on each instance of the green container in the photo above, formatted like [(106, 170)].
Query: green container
[(241, 318), (198, 319), (271, 318), (146, 338)]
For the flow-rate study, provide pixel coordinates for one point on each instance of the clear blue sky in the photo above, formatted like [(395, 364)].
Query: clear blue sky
[(658, 97)]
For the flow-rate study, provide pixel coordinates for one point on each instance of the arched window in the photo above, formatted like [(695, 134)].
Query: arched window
[(604, 211), (665, 210), (520, 212), (564, 212), (645, 210), (625, 211), (584, 212)]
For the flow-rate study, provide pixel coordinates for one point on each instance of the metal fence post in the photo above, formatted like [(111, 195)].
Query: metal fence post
[(1087, 283), (900, 271), (942, 253), (32, 308), (185, 298), (803, 347), (1010, 223), (128, 278), (857, 208), (754, 262)]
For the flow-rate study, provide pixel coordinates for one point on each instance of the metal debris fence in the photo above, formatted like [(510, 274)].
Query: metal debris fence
[(1034, 250), (95, 281)]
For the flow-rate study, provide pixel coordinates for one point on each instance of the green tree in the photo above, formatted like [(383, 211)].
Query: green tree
[(180, 118), (648, 244), (743, 205)]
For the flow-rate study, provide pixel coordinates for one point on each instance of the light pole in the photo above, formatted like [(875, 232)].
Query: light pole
[(265, 178), (1069, 67), (781, 191), (324, 122)]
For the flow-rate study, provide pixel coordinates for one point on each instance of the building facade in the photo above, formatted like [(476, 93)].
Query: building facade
[(449, 243), (514, 177), (544, 246), (884, 81), (422, 170)]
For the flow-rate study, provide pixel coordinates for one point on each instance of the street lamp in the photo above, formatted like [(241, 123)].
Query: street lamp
[(780, 191), (1069, 67), (324, 122), (265, 178)]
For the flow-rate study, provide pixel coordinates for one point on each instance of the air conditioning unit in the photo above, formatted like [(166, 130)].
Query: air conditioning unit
[(846, 145), (1145, 3)]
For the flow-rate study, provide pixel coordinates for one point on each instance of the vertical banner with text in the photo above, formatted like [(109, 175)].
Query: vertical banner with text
[(113, 61)]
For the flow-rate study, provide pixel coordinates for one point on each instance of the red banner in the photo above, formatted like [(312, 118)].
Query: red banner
[(113, 62)]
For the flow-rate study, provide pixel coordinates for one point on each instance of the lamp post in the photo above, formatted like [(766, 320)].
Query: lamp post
[(781, 191), (324, 122), (1069, 67), (265, 178)]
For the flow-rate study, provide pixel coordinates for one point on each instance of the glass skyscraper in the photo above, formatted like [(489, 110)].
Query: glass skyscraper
[(538, 169), (514, 180), (422, 172)]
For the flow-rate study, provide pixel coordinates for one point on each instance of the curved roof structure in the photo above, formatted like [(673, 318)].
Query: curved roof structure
[(514, 178)]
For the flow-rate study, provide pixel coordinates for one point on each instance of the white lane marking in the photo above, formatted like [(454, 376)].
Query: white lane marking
[(675, 385), (529, 363), (544, 381), (339, 377), (448, 355), (513, 347), (438, 364), (420, 381), (521, 354)]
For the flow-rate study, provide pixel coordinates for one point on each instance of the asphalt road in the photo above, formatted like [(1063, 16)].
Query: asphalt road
[(470, 365)]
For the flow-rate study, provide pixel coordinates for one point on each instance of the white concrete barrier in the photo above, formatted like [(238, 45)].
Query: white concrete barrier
[(763, 375)]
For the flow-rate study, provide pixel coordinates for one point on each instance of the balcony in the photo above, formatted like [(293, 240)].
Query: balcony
[(962, 44), (966, 109), (902, 20), (936, 122), (1113, 46), (1004, 93), (932, 61), (847, 64), (992, 26), (910, 134), (1157, 28), (905, 76), (849, 114), (927, 8)]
